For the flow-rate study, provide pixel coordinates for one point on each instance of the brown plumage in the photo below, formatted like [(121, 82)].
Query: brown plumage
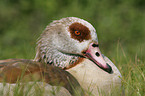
[(14, 70)]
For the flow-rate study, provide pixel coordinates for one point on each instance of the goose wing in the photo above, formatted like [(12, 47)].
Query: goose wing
[(14, 70)]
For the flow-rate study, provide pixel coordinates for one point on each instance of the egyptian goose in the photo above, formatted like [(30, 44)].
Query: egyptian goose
[(72, 45)]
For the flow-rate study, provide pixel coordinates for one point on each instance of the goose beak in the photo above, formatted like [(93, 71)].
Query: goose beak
[(94, 54)]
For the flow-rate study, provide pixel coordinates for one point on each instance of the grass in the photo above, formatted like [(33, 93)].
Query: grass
[(134, 79), (25, 89), (132, 70)]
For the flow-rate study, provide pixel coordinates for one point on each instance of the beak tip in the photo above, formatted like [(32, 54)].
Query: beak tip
[(109, 69)]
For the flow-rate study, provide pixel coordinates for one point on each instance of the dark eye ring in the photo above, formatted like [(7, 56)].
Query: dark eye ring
[(77, 33)]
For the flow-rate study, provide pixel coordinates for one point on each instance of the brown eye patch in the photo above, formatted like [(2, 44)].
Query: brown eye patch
[(79, 32)]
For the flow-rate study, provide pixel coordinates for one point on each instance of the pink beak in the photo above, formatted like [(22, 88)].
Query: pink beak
[(94, 54)]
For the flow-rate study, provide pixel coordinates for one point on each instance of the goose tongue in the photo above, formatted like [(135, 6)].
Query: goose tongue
[(94, 54)]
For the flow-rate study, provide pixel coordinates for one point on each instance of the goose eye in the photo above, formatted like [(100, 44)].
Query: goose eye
[(77, 33)]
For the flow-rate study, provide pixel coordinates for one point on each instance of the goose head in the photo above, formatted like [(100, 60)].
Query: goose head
[(66, 42)]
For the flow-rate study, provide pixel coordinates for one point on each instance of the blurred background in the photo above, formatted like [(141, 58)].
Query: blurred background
[(120, 26)]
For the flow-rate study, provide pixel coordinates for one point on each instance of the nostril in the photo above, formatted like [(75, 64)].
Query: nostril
[(95, 45), (97, 54)]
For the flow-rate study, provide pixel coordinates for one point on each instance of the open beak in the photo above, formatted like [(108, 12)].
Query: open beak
[(94, 54)]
